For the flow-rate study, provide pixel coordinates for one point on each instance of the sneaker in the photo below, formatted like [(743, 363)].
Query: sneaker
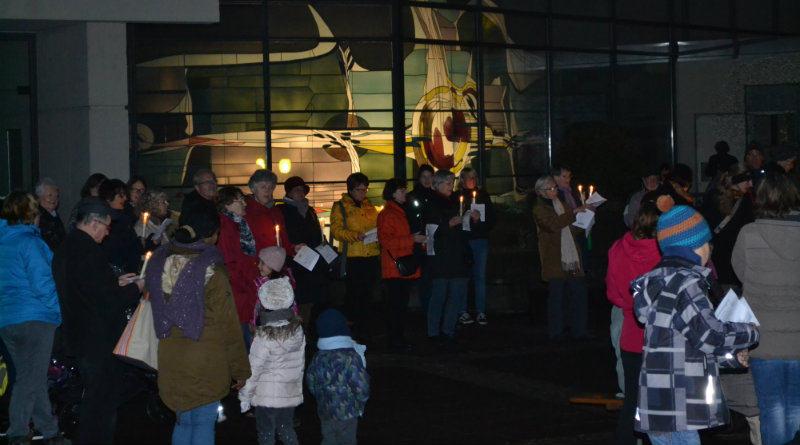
[(482, 319), (465, 319)]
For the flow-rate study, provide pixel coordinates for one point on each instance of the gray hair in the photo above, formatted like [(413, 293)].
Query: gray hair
[(87, 218), (201, 172), (43, 184), (541, 183), (442, 176), (261, 176)]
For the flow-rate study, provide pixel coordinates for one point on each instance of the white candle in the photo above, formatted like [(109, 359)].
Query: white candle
[(474, 194), (461, 205), (580, 192), (146, 259), (145, 215), (277, 235), (591, 190)]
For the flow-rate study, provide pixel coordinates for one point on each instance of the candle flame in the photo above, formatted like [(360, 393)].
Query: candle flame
[(580, 188), (148, 255)]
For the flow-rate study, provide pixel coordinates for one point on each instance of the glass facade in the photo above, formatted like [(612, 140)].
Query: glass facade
[(505, 87)]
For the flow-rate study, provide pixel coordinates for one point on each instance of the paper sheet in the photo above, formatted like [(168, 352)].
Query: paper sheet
[(465, 219), (584, 220), (371, 236), (481, 208), (430, 229), (327, 252), (162, 228), (733, 308), (595, 200), (306, 257)]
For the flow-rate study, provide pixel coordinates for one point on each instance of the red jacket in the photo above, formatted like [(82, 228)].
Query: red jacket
[(627, 259), (243, 268), (262, 222), (394, 234)]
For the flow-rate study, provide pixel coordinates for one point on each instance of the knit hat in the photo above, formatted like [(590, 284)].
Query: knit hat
[(273, 257), (92, 204), (295, 181), (276, 294), (682, 226), (332, 323)]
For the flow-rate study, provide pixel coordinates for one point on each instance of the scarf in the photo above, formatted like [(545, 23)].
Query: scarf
[(301, 206), (342, 342), (246, 240), (570, 261), (186, 306)]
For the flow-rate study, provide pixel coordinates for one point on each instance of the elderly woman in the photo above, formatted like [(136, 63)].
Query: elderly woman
[(303, 229), (239, 250), (263, 216), (49, 220), (29, 315), (765, 258), (450, 264), (351, 218), (196, 322), (123, 247), (560, 258), (156, 204), (478, 236), (397, 241)]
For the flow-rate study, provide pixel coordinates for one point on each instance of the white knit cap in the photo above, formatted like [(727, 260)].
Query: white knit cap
[(276, 294)]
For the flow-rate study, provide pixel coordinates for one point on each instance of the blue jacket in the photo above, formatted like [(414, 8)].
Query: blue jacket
[(339, 382), (27, 289)]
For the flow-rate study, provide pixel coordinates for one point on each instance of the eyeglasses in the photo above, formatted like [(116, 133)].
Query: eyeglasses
[(549, 189), (361, 189), (108, 226), (209, 182), (139, 191)]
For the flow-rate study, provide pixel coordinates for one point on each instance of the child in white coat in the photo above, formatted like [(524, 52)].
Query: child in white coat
[(277, 356)]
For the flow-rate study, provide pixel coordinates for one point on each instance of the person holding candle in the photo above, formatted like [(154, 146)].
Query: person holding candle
[(263, 216), (93, 302), (417, 203), (123, 246), (562, 175), (450, 263), (351, 218), (154, 202), (478, 237)]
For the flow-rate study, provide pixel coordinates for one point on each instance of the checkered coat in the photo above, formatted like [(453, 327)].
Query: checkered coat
[(684, 345)]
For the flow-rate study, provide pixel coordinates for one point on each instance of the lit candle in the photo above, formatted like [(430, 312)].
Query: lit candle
[(580, 192), (591, 190), (277, 235), (145, 215), (146, 259), (461, 205), (474, 194)]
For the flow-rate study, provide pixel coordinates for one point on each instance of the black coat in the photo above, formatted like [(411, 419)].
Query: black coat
[(480, 229), (123, 247), (92, 302), (193, 202), (52, 228), (453, 255), (417, 203), (310, 285)]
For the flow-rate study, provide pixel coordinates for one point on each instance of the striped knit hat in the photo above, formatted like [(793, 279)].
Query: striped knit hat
[(682, 226)]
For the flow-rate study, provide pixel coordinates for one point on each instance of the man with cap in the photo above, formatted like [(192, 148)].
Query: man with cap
[(93, 303), (684, 343)]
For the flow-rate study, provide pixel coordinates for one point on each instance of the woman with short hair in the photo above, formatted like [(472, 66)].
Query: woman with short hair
[(263, 216), (156, 204)]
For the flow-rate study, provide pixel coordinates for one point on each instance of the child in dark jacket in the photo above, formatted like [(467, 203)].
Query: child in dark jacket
[(338, 379), (684, 343)]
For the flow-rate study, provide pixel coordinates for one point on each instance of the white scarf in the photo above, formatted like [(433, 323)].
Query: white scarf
[(342, 342), (570, 261)]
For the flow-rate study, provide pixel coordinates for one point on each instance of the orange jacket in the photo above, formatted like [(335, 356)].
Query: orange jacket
[(395, 236)]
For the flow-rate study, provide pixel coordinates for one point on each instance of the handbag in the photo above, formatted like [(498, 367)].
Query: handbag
[(138, 343), (406, 265)]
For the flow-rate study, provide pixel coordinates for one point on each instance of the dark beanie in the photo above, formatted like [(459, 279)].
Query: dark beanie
[(92, 204), (332, 323), (200, 224)]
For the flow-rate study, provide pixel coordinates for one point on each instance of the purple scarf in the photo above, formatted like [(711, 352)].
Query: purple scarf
[(186, 306)]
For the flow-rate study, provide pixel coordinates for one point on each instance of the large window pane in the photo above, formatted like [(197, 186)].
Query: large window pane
[(579, 34)]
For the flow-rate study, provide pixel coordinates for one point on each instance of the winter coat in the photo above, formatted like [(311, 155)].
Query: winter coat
[(417, 203), (122, 245), (766, 258), (684, 344), (480, 229), (93, 304), (548, 229), (192, 203), (262, 221), (340, 383), (723, 241), (452, 252), (305, 229), (629, 258), (27, 289), (395, 236), (277, 360), (360, 219), (196, 373), (243, 268), (52, 228)]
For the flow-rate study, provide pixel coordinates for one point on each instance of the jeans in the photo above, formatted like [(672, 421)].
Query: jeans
[(362, 273), (30, 345), (631, 365), (196, 426), (573, 292), (397, 291), (339, 432), (480, 253), (778, 390), (615, 330), (443, 307), (271, 421), (675, 438)]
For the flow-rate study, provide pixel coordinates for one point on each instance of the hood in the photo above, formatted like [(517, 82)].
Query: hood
[(10, 232), (639, 251), (648, 286), (782, 236)]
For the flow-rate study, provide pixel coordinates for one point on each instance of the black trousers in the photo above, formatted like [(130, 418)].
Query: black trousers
[(102, 378), (362, 275), (631, 366), (397, 293)]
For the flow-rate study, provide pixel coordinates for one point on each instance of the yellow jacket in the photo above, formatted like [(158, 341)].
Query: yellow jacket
[(359, 220)]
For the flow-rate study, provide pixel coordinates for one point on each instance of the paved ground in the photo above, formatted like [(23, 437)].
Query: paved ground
[(503, 383)]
